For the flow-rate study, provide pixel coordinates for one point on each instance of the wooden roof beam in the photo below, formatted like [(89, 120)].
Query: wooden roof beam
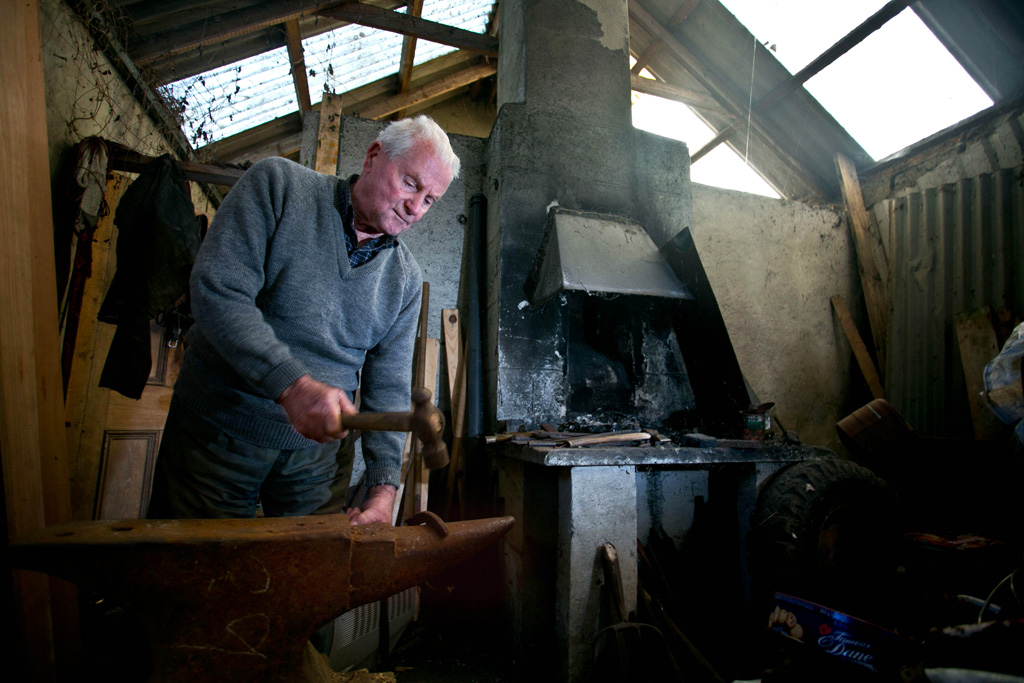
[(130, 161), (229, 24), (388, 20), (408, 54), (298, 64), (408, 51), (692, 98), (431, 90), (655, 45)]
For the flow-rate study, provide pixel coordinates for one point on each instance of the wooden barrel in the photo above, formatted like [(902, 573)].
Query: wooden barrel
[(873, 428)]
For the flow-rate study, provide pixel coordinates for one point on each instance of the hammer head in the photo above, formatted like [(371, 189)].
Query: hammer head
[(427, 425)]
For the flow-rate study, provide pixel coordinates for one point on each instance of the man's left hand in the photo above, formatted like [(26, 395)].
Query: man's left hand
[(378, 507)]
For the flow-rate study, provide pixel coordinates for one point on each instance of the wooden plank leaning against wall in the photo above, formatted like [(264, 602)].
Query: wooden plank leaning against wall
[(32, 452)]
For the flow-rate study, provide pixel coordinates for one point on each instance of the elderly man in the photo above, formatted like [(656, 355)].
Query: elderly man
[(301, 292)]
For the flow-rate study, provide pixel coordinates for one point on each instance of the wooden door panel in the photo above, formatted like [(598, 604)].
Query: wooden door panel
[(126, 474)]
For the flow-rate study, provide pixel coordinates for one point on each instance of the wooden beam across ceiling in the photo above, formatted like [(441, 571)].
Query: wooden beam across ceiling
[(282, 136), (439, 87), (387, 20), (248, 17), (130, 161), (688, 96), (408, 54), (298, 64), (655, 46)]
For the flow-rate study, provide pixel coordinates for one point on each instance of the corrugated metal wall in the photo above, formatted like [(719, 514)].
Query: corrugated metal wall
[(954, 248)]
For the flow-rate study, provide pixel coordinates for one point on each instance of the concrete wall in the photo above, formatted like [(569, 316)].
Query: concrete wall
[(773, 265)]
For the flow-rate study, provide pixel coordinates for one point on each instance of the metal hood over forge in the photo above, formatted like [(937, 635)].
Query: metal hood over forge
[(599, 255)]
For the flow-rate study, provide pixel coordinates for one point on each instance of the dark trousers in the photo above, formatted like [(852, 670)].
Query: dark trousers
[(203, 473)]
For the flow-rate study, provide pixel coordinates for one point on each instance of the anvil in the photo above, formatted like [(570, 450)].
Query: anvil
[(237, 599)]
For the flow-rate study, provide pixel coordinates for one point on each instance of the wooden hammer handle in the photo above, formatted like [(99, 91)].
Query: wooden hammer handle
[(381, 422)]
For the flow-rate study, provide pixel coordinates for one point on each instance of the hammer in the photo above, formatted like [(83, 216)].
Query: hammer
[(425, 422)]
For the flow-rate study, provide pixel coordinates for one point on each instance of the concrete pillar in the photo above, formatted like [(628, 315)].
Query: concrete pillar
[(564, 136), (596, 505)]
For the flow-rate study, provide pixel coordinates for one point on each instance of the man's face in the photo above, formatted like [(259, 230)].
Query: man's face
[(392, 194)]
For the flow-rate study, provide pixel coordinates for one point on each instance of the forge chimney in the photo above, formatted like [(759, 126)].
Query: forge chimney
[(563, 141)]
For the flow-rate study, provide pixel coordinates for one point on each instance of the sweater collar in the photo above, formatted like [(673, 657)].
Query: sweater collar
[(358, 255)]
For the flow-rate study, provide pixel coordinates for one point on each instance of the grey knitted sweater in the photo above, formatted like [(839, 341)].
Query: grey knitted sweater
[(274, 298)]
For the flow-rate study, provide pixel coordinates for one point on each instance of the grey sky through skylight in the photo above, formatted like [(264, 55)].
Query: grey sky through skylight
[(897, 87)]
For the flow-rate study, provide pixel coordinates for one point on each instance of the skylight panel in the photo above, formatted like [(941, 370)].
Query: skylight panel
[(354, 55), (469, 16), (798, 31), (898, 86), (349, 57), (233, 98)]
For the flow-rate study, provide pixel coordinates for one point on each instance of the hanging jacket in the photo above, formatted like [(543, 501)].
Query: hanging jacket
[(158, 238)]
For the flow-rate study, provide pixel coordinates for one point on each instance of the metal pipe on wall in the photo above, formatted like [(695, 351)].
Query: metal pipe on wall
[(474, 344)]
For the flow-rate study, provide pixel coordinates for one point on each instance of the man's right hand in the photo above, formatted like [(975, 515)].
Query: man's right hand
[(316, 409)]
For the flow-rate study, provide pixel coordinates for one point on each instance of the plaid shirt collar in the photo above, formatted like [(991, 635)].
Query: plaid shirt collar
[(358, 255)]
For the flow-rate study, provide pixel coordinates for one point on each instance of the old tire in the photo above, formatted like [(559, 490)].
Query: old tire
[(826, 531)]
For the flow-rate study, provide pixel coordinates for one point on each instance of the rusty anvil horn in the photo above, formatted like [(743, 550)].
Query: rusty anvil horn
[(237, 599)]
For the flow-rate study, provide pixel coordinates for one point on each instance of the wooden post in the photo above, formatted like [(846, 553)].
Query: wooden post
[(452, 347), (298, 62), (31, 390), (860, 349), (870, 274), (327, 137), (422, 478)]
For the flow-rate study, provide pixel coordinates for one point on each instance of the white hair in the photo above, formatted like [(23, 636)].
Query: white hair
[(399, 138)]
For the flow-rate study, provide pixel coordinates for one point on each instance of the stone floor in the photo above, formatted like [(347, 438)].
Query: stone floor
[(435, 652)]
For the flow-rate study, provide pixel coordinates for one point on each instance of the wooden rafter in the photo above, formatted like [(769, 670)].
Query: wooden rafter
[(228, 24), (282, 136), (298, 64), (387, 20), (123, 159), (655, 45), (871, 281), (434, 89), (408, 51), (688, 96), (415, 9)]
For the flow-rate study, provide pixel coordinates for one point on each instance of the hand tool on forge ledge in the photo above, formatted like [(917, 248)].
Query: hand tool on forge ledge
[(237, 599), (542, 439), (425, 421)]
